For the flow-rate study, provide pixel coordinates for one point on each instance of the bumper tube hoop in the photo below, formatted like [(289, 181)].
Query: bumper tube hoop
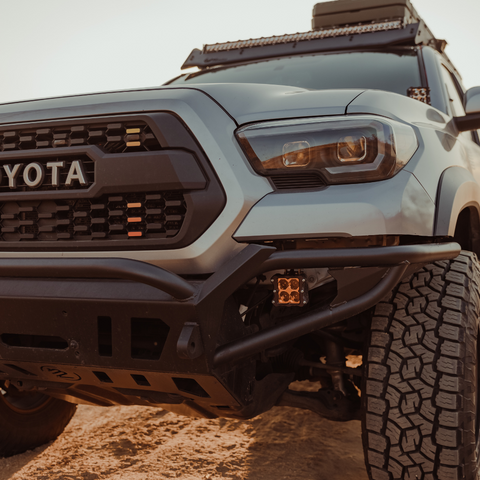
[(310, 322), (396, 257), (106, 268)]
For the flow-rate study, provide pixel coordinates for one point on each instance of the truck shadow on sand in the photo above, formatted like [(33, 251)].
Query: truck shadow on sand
[(290, 443)]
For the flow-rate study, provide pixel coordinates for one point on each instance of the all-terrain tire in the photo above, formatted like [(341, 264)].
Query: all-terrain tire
[(28, 421), (420, 390)]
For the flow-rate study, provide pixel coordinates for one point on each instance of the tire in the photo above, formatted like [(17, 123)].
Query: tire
[(28, 420), (420, 388)]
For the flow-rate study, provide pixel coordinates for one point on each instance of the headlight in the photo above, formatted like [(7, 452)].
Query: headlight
[(341, 150)]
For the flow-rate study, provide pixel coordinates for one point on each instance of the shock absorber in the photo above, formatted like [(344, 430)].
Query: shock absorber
[(336, 358)]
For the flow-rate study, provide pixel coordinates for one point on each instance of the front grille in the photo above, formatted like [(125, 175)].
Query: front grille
[(118, 137), (109, 217), (86, 163), (146, 186)]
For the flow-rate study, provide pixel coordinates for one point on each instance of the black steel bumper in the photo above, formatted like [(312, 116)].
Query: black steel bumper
[(130, 330)]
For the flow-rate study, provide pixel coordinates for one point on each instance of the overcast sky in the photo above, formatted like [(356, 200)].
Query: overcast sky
[(60, 47)]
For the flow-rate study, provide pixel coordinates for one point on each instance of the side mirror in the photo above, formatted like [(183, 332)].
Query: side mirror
[(471, 121), (472, 100)]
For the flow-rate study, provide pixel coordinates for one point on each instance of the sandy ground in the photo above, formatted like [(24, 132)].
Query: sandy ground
[(144, 443), (140, 443)]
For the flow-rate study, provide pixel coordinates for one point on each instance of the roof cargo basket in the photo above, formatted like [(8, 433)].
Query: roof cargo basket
[(338, 25), (353, 12), (362, 13)]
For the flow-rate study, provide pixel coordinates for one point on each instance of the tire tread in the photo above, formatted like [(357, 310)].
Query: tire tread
[(420, 375)]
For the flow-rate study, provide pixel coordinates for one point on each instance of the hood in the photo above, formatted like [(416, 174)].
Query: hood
[(93, 104), (244, 103), (250, 102)]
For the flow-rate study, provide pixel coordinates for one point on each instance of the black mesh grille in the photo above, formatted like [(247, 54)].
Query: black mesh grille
[(75, 207), (135, 136), (306, 180), (109, 217)]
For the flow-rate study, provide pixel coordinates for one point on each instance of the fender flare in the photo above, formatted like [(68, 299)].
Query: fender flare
[(457, 189)]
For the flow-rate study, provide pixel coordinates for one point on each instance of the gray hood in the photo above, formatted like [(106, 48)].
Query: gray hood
[(243, 102), (250, 102)]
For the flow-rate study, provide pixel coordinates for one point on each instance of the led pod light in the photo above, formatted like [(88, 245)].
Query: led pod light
[(341, 149)]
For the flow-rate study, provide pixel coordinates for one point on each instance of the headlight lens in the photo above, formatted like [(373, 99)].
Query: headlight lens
[(341, 150)]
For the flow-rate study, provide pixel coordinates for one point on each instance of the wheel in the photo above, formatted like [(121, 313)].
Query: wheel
[(420, 388), (28, 420)]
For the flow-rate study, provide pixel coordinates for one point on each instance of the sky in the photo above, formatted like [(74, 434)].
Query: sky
[(61, 47)]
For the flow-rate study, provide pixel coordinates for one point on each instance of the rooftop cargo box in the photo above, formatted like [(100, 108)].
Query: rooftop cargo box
[(352, 12)]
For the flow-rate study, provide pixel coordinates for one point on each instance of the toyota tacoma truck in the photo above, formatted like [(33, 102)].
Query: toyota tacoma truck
[(202, 245)]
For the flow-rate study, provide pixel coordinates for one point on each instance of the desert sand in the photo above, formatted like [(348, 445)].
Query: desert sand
[(139, 443), (144, 443)]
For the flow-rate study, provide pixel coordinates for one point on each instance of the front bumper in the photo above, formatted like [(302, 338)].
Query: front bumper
[(117, 331)]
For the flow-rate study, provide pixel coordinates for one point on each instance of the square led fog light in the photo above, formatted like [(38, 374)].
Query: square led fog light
[(290, 290)]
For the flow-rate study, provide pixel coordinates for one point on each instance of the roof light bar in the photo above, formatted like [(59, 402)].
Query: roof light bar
[(306, 36)]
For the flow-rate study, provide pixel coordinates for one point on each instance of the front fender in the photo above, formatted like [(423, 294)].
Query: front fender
[(457, 190)]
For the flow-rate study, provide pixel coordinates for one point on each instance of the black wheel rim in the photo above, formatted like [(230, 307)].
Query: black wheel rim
[(25, 404)]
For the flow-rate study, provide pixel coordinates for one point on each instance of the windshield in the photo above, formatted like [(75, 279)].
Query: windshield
[(394, 72)]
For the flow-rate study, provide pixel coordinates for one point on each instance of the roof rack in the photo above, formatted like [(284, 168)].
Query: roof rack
[(378, 23)]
